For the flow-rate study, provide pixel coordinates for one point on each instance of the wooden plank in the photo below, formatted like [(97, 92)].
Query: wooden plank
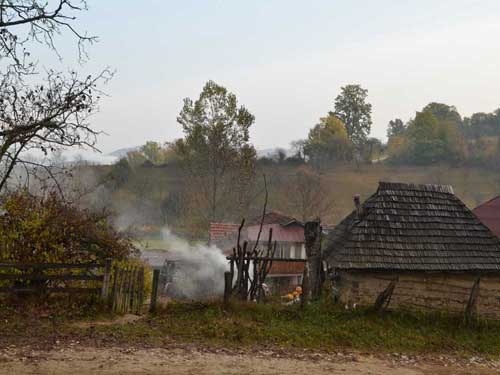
[(154, 290), (141, 290), (51, 277), (471, 303), (291, 260), (228, 286), (113, 290), (50, 290), (22, 266), (106, 280)]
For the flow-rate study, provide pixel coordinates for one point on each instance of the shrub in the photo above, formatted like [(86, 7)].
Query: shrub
[(50, 229)]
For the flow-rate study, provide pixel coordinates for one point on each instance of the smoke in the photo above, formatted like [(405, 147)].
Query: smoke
[(199, 269)]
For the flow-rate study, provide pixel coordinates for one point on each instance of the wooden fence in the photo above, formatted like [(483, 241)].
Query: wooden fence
[(125, 284), (127, 294), (55, 277)]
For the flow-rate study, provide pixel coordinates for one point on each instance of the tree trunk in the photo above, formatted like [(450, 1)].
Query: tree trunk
[(312, 278)]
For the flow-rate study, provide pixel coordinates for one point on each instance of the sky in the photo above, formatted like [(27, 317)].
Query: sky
[(287, 60)]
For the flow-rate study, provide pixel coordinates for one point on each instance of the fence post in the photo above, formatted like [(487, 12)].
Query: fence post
[(228, 285), (113, 289), (106, 280), (154, 290), (141, 291)]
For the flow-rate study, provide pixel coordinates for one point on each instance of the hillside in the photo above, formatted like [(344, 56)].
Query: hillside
[(153, 196)]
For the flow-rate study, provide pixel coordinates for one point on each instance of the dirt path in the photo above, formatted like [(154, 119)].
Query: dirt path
[(76, 360)]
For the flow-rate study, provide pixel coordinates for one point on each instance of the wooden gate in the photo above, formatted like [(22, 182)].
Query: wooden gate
[(127, 294)]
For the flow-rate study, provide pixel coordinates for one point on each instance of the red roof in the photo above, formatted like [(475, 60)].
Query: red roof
[(489, 214), (275, 217), (291, 233)]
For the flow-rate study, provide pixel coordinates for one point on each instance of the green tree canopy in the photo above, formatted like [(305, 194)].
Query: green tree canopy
[(328, 141), (352, 108), (444, 113), (433, 135), (216, 143), (396, 127)]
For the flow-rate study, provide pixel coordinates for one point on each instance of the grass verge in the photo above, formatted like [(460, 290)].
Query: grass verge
[(318, 326)]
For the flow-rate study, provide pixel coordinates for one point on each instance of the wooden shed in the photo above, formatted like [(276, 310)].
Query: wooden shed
[(422, 243)]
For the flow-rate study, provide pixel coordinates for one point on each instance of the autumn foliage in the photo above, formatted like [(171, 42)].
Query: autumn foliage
[(49, 229)]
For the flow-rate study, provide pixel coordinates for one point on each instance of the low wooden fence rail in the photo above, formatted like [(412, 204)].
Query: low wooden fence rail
[(126, 284), (41, 277)]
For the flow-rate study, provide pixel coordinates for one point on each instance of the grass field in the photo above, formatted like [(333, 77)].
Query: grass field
[(319, 326)]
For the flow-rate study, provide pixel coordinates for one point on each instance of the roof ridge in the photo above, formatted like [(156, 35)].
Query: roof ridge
[(439, 188)]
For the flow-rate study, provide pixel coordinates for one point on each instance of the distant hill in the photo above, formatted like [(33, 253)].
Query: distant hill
[(122, 152)]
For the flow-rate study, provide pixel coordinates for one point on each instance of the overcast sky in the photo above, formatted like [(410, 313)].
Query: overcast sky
[(286, 60)]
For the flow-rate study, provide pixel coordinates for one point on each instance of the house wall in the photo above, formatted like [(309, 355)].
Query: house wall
[(438, 291)]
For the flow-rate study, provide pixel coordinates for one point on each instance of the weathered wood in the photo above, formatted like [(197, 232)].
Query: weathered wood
[(106, 280), (273, 259), (23, 266), (141, 291), (113, 289), (312, 279), (38, 277), (34, 272), (154, 291), (471, 303), (384, 298), (228, 286), (32, 289), (133, 305), (119, 299)]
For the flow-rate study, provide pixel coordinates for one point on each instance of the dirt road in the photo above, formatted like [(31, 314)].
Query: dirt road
[(76, 360)]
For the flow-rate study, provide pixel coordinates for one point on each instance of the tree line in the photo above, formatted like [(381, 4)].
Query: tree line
[(221, 169), (438, 133)]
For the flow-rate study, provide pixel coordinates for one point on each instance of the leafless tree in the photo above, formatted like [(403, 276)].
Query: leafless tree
[(41, 110), (307, 195)]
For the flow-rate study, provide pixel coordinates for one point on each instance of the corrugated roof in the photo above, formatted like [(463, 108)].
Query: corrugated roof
[(413, 227)]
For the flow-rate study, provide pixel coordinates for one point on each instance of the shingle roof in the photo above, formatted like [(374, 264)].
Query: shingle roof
[(413, 228)]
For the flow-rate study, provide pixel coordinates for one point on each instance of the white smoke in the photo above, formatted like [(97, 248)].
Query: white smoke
[(199, 270)]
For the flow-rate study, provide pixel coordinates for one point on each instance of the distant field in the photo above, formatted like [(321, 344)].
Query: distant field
[(152, 244), (143, 194), (473, 185)]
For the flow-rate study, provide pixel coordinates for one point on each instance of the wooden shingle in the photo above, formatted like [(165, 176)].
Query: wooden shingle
[(407, 227)]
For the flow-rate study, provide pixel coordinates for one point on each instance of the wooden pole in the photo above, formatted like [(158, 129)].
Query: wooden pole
[(141, 291), (228, 286), (471, 303), (154, 290), (106, 280)]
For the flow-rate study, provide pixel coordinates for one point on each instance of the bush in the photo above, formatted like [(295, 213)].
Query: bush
[(50, 229)]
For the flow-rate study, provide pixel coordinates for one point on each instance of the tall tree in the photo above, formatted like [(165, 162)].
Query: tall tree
[(396, 127), (327, 142), (355, 112), (49, 110), (444, 113), (216, 145), (426, 145)]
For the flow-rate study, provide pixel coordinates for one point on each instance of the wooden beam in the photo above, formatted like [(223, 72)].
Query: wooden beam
[(471, 303)]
